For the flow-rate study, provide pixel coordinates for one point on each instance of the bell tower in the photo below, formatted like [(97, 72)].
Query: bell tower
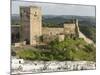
[(31, 22)]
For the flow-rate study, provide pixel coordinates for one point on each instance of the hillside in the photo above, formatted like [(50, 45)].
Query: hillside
[(67, 50)]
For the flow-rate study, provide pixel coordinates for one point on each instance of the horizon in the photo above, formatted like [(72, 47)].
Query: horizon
[(59, 15)]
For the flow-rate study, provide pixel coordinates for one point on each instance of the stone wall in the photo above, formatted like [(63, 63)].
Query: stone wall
[(69, 28), (52, 31)]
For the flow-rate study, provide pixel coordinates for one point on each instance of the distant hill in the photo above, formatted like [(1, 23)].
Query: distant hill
[(58, 19), (88, 20)]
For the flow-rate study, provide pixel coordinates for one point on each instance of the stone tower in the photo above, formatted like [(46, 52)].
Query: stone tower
[(31, 24), (71, 28)]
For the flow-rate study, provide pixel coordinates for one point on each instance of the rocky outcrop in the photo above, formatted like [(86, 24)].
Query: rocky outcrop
[(51, 66), (89, 41)]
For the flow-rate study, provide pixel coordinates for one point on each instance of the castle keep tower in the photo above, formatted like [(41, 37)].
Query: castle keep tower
[(30, 24)]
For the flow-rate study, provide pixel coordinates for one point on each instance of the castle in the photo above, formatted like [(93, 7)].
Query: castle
[(31, 27)]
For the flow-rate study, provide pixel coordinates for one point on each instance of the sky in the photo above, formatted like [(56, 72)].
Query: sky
[(56, 9)]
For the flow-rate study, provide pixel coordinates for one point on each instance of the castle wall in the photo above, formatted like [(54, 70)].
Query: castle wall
[(52, 31), (69, 28)]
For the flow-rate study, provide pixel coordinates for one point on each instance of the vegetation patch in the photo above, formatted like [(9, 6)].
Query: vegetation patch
[(69, 49)]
